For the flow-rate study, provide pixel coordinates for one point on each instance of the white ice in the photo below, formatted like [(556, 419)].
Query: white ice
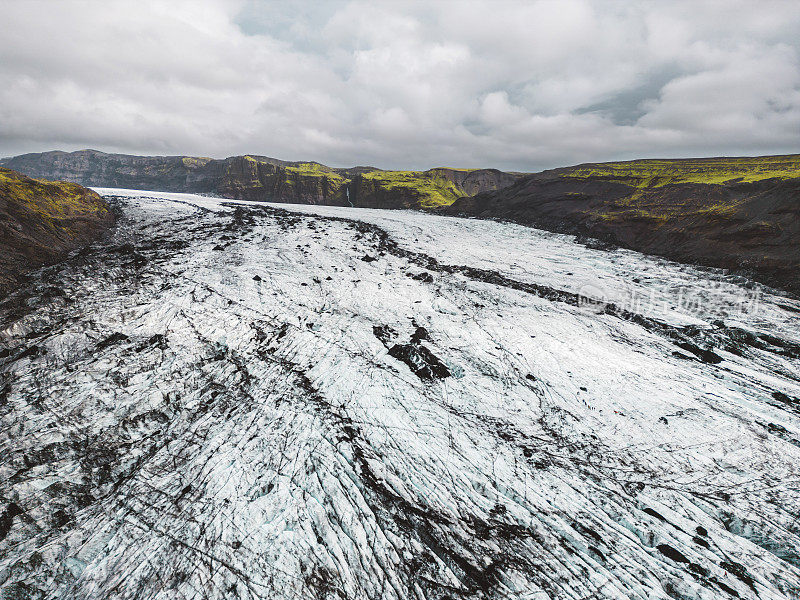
[(254, 438)]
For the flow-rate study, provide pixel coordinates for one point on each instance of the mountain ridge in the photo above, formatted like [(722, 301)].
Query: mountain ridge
[(262, 178)]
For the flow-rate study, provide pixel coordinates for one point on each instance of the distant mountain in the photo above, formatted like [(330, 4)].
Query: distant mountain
[(263, 178), (41, 221), (735, 213)]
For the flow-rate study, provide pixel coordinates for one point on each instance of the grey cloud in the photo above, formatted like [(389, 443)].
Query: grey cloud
[(516, 85), (627, 106)]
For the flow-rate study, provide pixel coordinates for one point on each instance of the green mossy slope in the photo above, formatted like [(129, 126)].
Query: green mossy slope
[(254, 178), (40, 221), (261, 178), (659, 172), (423, 189)]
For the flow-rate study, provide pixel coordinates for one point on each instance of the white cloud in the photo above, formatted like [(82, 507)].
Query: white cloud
[(517, 85)]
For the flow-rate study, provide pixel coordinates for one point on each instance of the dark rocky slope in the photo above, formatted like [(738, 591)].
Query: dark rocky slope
[(264, 179), (41, 221), (741, 214)]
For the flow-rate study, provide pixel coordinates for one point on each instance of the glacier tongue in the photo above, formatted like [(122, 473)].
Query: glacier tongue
[(230, 400)]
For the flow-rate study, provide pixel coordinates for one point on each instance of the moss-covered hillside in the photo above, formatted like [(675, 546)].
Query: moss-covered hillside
[(256, 178), (433, 188), (262, 178), (40, 221), (660, 172), (741, 214), (665, 190)]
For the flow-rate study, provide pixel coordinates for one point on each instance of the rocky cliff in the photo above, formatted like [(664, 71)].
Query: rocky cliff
[(264, 179), (94, 168), (741, 214), (41, 221), (252, 178)]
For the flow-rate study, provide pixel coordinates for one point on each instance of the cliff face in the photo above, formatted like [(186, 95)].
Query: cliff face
[(476, 181), (248, 178), (93, 168), (41, 221), (262, 178), (738, 214), (430, 189)]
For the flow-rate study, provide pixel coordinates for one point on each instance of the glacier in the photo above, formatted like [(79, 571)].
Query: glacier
[(243, 400)]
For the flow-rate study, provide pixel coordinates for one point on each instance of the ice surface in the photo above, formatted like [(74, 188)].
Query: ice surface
[(248, 401)]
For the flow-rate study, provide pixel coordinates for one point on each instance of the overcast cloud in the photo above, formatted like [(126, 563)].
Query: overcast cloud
[(514, 85)]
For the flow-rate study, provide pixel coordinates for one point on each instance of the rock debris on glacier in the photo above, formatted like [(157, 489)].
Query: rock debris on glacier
[(238, 401)]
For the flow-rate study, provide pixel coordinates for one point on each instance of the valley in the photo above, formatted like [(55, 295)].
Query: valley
[(741, 214)]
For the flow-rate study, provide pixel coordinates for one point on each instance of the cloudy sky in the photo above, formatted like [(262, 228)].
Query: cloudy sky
[(514, 85)]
